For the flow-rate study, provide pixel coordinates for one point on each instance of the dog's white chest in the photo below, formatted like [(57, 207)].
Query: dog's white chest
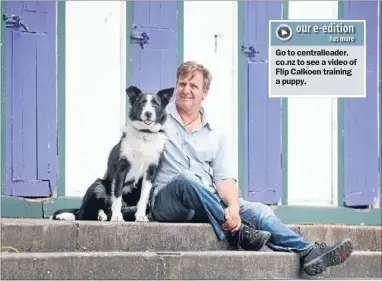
[(141, 151)]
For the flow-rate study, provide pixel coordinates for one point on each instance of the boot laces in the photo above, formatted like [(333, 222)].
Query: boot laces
[(250, 232), (320, 245)]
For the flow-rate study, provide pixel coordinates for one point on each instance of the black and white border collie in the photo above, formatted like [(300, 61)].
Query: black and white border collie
[(132, 164)]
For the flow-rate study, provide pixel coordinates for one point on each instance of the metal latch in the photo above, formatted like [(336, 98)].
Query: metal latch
[(14, 21), (141, 38), (250, 53)]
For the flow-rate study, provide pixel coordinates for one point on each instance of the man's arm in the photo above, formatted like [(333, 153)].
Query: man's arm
[(225, 179), (228, 191)]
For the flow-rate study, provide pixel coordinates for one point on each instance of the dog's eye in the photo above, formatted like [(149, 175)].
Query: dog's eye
[(154, 102)]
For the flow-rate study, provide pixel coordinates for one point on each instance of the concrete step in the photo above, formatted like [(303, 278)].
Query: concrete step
[(44, 235), (177, 265)]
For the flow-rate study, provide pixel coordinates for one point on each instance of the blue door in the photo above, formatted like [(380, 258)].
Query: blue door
[(154, 44), (360, 117), (31, 131), (262, 121)]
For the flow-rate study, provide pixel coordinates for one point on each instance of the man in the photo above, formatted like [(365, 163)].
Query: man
[(197, 183)]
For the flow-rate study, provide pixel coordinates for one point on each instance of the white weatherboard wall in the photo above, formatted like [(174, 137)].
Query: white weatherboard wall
[(95, 75), (95, 99), (379, 59), (312, 131), (95, 65), (210, 37), (1, 65)]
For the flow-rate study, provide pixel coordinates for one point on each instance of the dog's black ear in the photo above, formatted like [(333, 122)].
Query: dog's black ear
[(165, 95), (133, 92)]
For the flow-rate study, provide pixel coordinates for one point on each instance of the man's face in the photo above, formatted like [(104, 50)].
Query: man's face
[(189, 92)]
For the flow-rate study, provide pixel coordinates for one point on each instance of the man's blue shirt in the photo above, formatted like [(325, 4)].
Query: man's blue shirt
[(203, 152)]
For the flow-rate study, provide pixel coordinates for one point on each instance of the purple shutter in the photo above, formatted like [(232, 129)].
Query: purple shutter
[(263, 174), (155, 66), (31, 100), (360, 117)]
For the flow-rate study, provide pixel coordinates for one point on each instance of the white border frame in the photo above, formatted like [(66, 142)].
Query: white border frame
[(307, 95)]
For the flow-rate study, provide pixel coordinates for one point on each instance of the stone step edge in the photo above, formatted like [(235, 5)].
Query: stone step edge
[(50, 221), (4, 222), (165, 253), (48, 235), (229, 265)]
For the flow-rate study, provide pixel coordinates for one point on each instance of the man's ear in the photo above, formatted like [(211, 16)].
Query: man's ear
[(165, 95), (133, 92), (204, 95)]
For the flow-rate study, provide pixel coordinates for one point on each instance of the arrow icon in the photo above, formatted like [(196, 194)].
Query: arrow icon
[(284, 32)]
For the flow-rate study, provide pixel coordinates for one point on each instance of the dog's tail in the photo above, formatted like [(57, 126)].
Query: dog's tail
[(66, 214)]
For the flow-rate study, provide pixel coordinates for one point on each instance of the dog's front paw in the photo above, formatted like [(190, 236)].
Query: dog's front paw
[(66, 217), (102, 216), (141, 218), (117, 217)]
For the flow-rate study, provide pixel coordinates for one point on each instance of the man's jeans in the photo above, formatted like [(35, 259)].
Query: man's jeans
[(185, 199)]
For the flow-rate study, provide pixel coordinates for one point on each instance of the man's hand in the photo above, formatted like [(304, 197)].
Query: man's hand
[(232, 219), (228, 191)]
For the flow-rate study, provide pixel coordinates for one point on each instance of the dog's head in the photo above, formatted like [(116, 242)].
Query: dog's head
[(148, 110)]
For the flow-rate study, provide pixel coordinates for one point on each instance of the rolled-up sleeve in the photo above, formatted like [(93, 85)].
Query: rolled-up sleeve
[(223, 165)]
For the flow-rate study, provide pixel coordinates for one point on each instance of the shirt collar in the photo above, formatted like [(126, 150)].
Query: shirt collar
[(174, 113)]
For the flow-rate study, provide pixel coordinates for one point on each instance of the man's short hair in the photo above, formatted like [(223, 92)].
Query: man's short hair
[(192, 67)]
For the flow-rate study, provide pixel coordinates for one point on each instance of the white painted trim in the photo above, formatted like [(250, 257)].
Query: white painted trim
[(312, 129), (210, 35), (235, 75), (334, 132), (123, 68), (1, 65), (94, 102), (379, 87)]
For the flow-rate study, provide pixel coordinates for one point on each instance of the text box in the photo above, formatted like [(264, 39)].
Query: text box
[(317, 58)]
